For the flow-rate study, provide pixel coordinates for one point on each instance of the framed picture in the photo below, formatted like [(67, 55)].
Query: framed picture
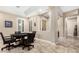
[(8, 24), (30, 26)]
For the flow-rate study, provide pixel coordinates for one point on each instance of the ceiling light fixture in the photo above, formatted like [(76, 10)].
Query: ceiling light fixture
[(40, 10), (18, 6)]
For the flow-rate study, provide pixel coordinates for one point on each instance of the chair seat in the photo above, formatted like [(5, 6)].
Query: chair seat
[(8, 40), (25, 41)]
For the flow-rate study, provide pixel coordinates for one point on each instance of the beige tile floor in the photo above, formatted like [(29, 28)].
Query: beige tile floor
[(71, 42), (44, 46)]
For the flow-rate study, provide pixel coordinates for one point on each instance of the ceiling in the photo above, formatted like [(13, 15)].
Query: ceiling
[(68, 8), (14, 10), (22, 10), (31, 10)]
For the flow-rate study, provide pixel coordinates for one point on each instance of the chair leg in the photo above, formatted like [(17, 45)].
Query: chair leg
[(27, 46), (24, 47), (32, 45), (8, 46), (4, 48), (1, 49)]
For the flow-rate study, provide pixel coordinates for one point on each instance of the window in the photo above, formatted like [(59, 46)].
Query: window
[(30, 26), (21, 25)]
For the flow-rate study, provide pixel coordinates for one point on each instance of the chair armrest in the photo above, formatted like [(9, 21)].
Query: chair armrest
[(8, 37)]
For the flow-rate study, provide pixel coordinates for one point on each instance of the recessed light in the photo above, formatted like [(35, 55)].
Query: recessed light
[(18, 6), (40, 10)]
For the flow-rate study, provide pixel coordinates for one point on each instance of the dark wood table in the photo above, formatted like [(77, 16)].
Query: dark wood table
[(19, 36)]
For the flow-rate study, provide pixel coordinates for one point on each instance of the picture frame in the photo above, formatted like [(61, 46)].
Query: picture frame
[(8, 24)]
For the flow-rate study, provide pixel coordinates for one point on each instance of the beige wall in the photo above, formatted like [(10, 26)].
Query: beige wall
[(78, 25), (46, 35), (38, 20), (13, 18), (7, 17), (26, 25), (60, 26)]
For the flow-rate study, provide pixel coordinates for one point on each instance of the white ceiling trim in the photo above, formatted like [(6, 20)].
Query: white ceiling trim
[(31, 10)]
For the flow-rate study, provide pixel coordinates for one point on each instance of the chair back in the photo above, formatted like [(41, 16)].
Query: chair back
[(17, 32), (2, 37), (34, 33), (31, 37)]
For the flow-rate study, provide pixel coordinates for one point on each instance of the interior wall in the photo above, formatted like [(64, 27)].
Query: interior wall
[(47, 35), (44, 34), (26, 25), (38, 28), (60, 26), (9, 17), (78, 25)]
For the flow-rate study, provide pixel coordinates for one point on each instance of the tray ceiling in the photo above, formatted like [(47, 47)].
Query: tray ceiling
[(30, 10)]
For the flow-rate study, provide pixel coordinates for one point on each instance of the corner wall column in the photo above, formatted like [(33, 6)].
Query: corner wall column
[(53, 16)]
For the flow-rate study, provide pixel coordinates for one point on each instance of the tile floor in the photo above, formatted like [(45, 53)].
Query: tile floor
[(64, 45)]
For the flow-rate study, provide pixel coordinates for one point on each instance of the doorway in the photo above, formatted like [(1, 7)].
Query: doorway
[(71, 22)]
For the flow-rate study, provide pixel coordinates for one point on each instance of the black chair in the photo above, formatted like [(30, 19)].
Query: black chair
[(34, 32), (17, 37), (30, 39), (17, 32), (7, 40)]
